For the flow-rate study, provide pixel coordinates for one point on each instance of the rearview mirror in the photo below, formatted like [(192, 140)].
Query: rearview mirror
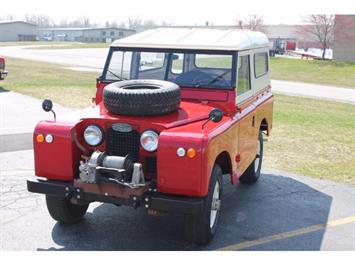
[(216, 115)]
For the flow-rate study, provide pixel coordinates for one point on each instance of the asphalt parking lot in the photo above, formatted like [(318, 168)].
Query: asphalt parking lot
[(281, 212)]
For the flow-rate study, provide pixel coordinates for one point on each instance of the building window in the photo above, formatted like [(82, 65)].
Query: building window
[(112, 33), (103, 33), (120, 34), (261, 66)]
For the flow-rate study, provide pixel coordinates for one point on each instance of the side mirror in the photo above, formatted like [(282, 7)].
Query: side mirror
[(175, 57), (216, 115), (47, 105)]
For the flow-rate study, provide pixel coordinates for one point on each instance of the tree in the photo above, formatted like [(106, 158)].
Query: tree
[(252, 22), (321, 27), (39, 20), (148, 24), (134, 23)]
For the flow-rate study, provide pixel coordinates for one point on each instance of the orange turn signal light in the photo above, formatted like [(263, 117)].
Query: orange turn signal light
[(191, 153), (40, 138)]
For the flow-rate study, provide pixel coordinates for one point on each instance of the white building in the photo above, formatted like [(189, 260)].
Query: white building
[(84, 34), (13, 31)]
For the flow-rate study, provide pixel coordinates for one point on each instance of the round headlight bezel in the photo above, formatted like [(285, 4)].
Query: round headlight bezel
[(96, 128), (154, 135)]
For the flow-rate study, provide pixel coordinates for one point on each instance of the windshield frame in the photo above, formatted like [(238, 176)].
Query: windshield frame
[(170, 52)]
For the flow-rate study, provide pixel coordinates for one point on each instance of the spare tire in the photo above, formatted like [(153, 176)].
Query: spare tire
[(141, 97)]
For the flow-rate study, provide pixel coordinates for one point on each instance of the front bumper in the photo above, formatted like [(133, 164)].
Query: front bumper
[(150, 200)]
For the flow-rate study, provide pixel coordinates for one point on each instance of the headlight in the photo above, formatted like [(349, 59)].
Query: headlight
[(149, 140), (93, 135)]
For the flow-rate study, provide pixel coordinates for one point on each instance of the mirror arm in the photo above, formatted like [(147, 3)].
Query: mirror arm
[(203, 125), (55, 116)]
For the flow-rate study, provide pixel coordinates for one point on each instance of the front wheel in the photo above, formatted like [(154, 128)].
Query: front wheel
[(252, 174), (201, 228), (63, 211)]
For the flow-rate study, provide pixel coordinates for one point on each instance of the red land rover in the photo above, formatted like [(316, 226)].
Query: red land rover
[(176, 111)]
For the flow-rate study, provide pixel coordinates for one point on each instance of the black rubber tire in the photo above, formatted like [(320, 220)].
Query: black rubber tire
[(141, 97), (63, 211), (197, 226), (250, 176)]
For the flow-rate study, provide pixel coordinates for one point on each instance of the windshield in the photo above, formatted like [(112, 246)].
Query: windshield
[(185, 69)]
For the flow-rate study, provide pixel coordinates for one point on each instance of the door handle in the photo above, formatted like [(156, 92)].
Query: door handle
[(253, 121)]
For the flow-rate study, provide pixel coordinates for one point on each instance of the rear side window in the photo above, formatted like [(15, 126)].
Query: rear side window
[(261, 66), (243, 74), (213, 61)]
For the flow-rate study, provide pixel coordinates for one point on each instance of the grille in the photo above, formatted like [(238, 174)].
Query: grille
[(151, 165), (123, 143)]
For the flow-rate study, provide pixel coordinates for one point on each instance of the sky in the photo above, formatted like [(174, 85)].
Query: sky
[(179, 12)]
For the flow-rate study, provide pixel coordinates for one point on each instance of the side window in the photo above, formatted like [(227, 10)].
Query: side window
[(261, 66), (151, 61), (243, 74), (177, 64), (213, 61), (120, 66)]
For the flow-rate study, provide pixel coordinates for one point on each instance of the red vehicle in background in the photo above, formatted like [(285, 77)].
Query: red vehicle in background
[(176, 111), (3, 72)]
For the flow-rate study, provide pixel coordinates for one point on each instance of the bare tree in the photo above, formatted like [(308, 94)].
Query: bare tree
[(252, 22), (8, 17), (85, 21), (112, 24), (148, 24), (40, 20), (134, 23), (166, 23), (321, 28)]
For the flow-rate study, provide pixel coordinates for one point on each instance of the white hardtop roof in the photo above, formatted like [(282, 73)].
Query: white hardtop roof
[(195, 38)]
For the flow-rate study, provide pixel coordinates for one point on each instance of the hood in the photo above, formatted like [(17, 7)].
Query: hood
[(188, 112)]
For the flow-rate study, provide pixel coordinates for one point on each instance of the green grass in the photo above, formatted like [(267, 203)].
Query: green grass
[(313, 138), (309, 137), (44, 80), (332, 73)]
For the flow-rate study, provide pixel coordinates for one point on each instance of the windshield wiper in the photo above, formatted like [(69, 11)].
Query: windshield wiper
[(218, 77), (117, 76)]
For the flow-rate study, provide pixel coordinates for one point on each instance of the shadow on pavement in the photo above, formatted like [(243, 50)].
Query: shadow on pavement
[(274, 205)]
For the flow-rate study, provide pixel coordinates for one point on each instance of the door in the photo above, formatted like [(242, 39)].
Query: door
[(246, 116)]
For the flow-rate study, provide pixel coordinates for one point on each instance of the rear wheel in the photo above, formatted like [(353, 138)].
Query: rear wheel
[(63, 211), (201, 228), (252, 174)]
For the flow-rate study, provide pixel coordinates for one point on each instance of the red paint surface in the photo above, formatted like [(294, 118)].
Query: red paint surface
[(58, 160)]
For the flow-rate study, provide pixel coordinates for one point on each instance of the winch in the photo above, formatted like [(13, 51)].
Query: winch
[(116, 169)]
